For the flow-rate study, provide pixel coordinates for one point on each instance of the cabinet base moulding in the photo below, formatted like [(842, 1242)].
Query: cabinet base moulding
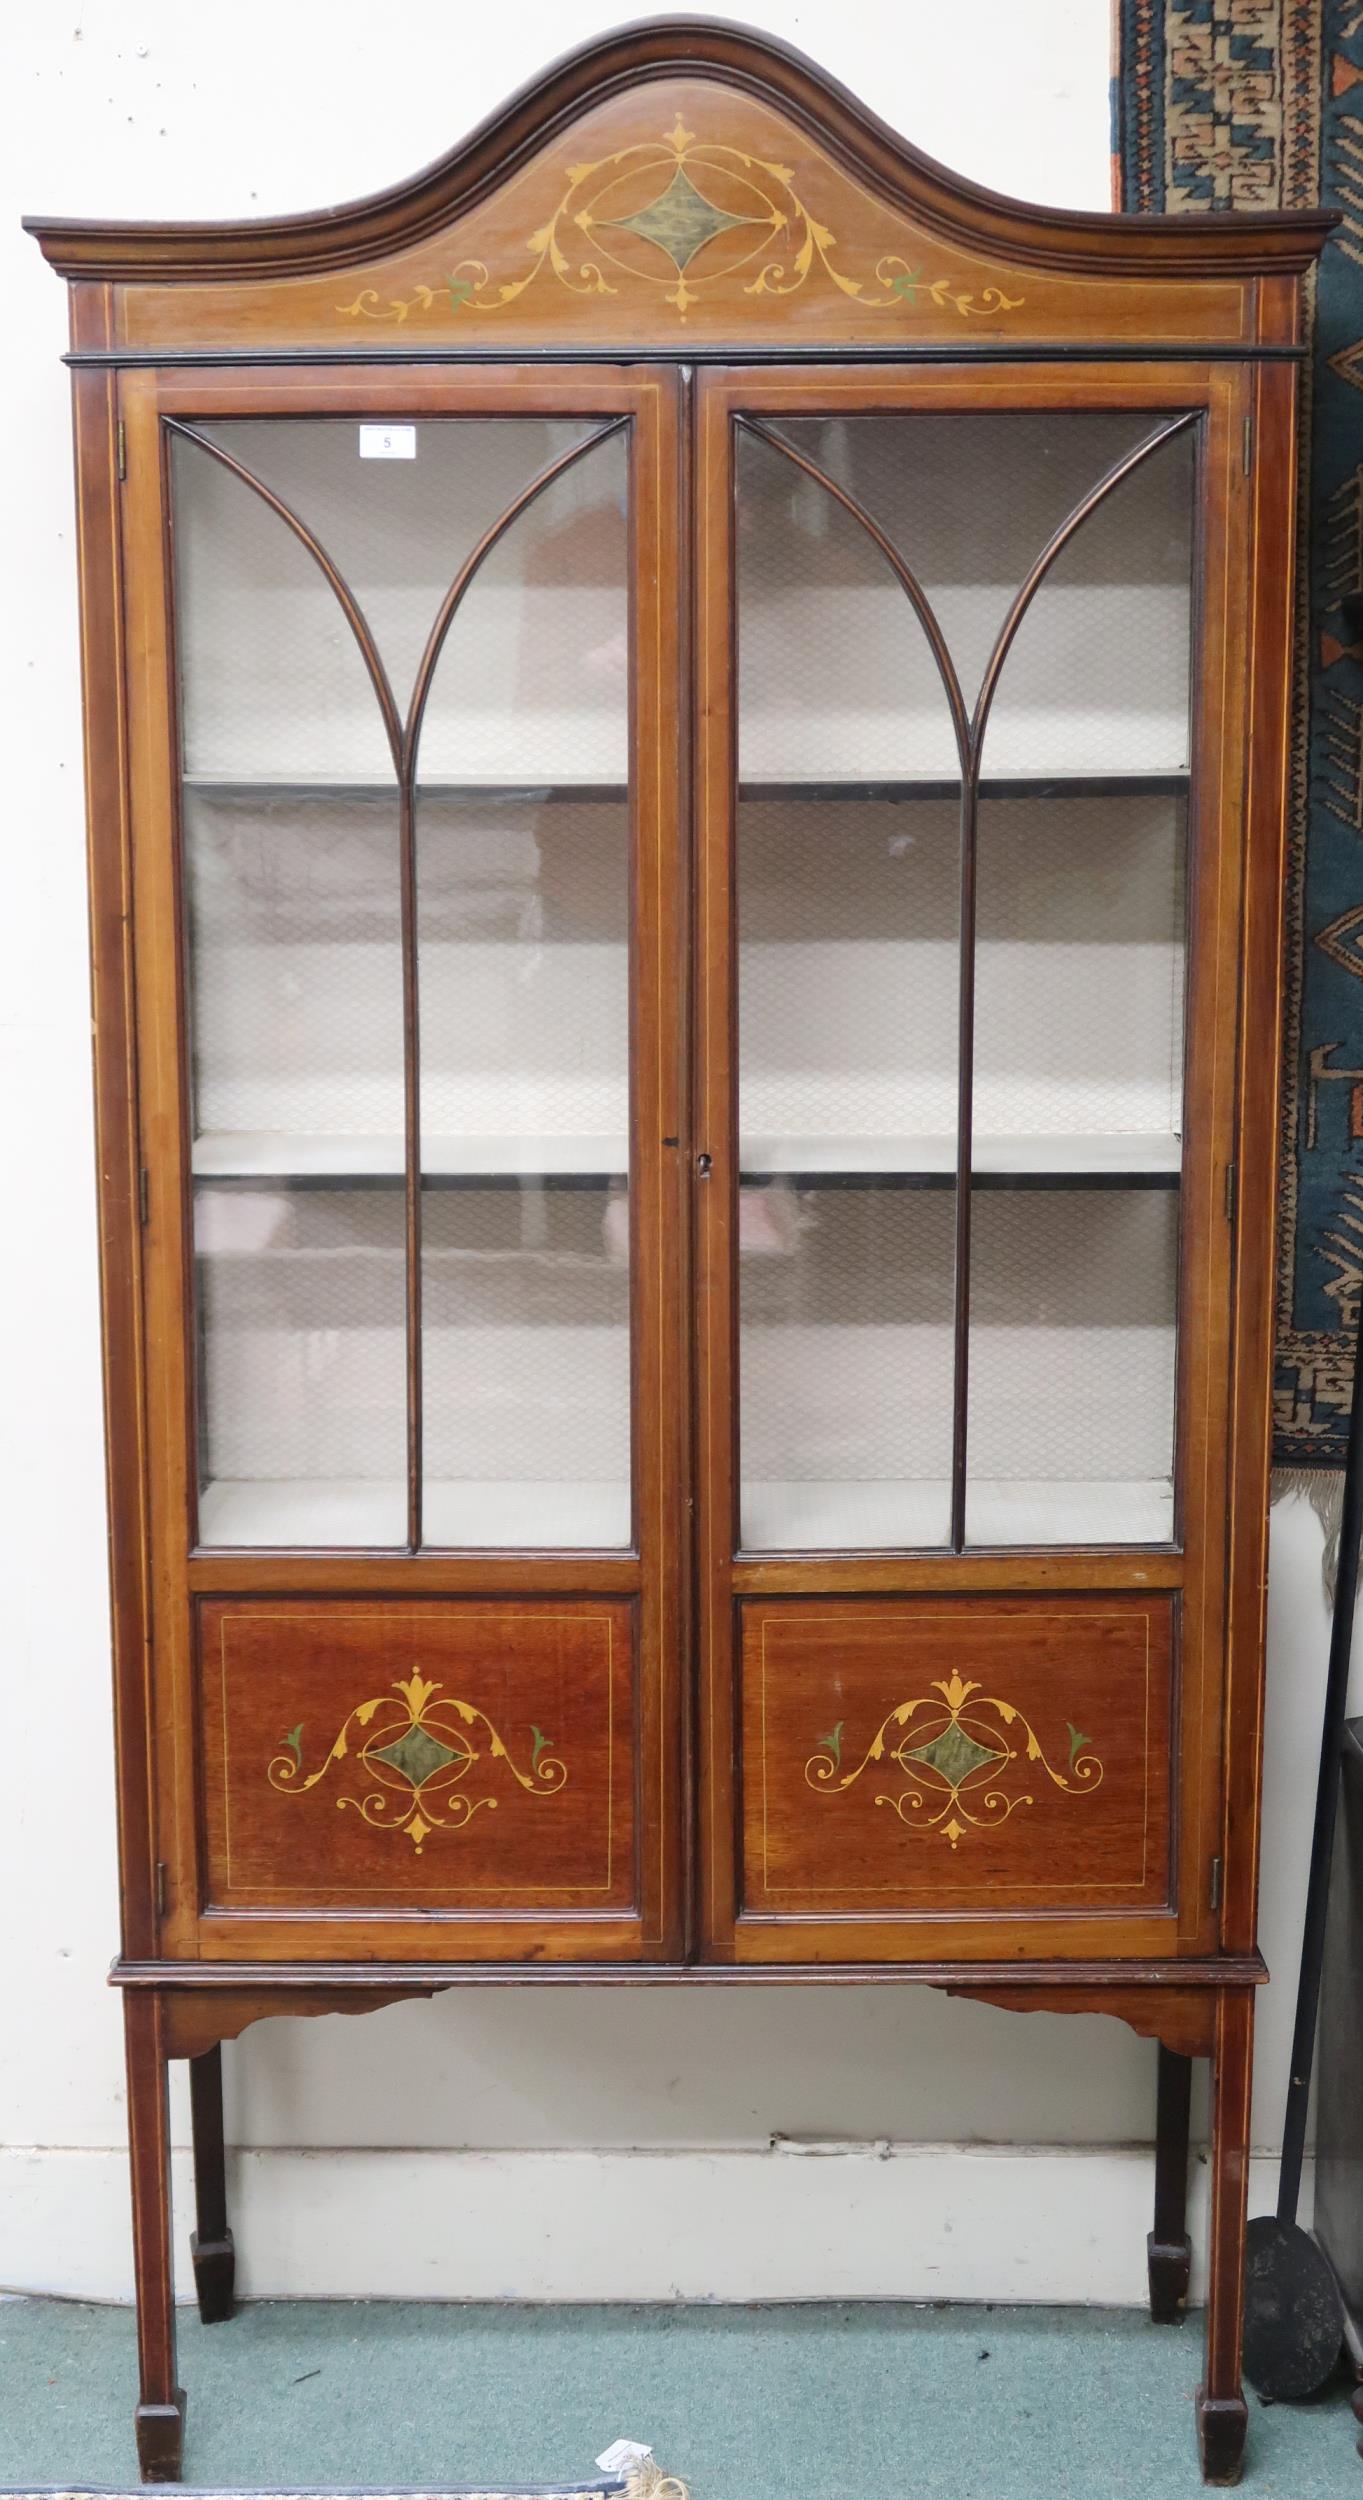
[(207, 2002)]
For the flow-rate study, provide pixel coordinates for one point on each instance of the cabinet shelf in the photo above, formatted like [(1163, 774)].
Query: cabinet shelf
[(327, 1162), (1171, 784), (884, 1515), (527, 793), (1115, 785), (1131, 1161), (870, 1516), (359, 1511), (1123, 1161)]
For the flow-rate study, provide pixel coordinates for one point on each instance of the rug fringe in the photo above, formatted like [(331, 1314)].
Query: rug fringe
[(647, 2481), (1323, 1488)]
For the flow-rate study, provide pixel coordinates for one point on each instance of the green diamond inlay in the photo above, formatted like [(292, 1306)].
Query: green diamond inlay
[(954, 1754), (681, 221), (416, 1754)]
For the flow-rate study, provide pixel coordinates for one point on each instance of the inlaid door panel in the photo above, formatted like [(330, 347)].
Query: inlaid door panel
[(462, 1758), (967, 1754)]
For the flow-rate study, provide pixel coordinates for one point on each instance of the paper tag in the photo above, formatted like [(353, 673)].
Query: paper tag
[(621, 2454), (387, 442)]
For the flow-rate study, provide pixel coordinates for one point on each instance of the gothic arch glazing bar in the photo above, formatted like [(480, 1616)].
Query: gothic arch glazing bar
[(544, 478), (1113, 477), (970, 723), (905, 576), (265, 651), (345, 597)]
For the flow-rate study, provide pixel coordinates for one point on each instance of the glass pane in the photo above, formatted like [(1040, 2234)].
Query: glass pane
[(968, 501), (848, 921), (294, 766), (850, 829), (845, 1365), (295, 1016), (1071, 1366), (302, 1405), (523, 917), (526, 1328), (1097, 681), (855, 698), (396, 530), (1079, 1038)]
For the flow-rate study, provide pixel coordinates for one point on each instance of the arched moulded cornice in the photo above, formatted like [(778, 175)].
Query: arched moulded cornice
[(850, 183)]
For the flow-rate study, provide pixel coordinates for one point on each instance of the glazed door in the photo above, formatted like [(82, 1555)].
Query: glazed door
[(408, 965), (968, 928)]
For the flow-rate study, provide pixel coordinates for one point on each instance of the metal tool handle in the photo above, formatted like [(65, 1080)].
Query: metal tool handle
[(1327, 1800)]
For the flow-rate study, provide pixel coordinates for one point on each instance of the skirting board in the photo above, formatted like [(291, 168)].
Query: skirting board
[(907, 2222)]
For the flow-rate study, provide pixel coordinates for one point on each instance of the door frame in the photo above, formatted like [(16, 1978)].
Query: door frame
[(167, 1726), (1228, 1154)]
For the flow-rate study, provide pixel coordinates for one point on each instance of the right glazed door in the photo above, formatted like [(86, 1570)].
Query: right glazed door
[(968, 867)]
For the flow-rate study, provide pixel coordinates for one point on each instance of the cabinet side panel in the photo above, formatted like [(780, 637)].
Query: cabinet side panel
[(1207, 1320), (116, 1131), (1270, 635)]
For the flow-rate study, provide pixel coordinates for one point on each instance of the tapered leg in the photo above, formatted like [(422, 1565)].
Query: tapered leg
[(160, 2416), (1222, 2414), (210, 2244), (1168, 2249)]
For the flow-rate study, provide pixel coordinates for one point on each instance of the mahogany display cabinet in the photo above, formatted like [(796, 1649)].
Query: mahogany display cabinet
[(687, 730)]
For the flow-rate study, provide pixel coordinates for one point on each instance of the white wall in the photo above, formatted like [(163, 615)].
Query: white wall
[(578, 2142)]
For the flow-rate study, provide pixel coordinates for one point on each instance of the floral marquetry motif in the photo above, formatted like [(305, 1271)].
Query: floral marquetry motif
[(410, 1767), (449, 1756), (690, 216), (957, 1755)]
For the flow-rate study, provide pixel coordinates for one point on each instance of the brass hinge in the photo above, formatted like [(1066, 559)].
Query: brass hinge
[(1214, 1885), (121, 441), (161, 1887), (1230, 1193), (1248, 452), (143, 1195)]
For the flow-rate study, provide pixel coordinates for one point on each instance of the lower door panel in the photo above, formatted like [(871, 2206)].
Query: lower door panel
[(471, 1757), (930, 1755)]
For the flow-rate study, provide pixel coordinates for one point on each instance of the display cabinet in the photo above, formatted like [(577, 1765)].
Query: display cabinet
[(687, 728)]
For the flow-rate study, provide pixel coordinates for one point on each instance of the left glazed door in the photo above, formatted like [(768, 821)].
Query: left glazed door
[(404, 776)]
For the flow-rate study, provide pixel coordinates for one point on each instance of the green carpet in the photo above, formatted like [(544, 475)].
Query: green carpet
[(828, 2401)]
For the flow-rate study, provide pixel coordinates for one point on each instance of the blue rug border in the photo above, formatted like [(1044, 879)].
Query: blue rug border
[(1280, 124), (611, 2487)]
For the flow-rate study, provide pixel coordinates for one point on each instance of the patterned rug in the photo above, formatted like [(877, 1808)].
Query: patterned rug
[(1228, 104), (643, 2479), (645, 2483)]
